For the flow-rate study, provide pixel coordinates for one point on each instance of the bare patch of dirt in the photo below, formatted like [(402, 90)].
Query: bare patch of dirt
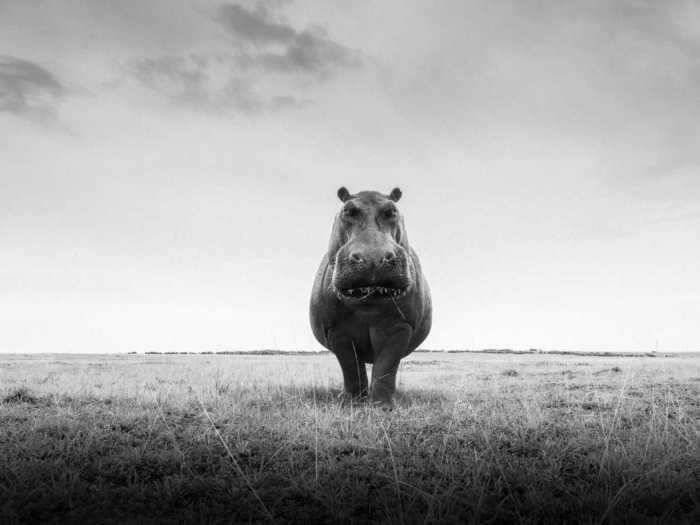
[(410, 364), (613, 370)]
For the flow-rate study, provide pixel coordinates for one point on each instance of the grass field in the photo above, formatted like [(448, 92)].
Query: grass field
[(475, 438)]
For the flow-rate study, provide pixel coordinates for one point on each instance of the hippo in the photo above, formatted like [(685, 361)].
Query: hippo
[(370, 302)]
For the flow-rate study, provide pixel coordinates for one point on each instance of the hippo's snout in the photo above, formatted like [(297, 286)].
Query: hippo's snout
[(370, 262), (371, 271), (372, 259)]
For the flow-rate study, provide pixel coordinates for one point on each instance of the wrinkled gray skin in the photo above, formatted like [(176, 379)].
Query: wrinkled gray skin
[(370, 302)]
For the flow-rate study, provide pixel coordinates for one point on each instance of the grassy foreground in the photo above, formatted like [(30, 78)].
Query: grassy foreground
[(476, 438)]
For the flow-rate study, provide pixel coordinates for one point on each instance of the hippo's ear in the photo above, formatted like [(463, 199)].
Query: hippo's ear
[(395, 194), (343, 193)]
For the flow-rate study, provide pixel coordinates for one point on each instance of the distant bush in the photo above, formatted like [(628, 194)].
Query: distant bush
[(20, 395)]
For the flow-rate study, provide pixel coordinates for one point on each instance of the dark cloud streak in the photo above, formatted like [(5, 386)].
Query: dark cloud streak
[(259, 38), (254, 26), (27, 89), (308, 51), (263, 53)]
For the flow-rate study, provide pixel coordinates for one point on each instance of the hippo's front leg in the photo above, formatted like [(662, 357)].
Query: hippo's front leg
[(390, 345), (354, 370)]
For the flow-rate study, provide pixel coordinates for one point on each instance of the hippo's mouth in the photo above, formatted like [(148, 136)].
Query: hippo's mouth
[(373, 292)]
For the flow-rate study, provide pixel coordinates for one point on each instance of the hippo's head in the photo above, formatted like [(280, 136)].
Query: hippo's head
[(369, 251)]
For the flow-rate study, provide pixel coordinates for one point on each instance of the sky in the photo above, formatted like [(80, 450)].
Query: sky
[(169, 168)]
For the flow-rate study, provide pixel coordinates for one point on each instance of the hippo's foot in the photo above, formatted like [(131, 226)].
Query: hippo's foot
[(349, 398), (384, 404)]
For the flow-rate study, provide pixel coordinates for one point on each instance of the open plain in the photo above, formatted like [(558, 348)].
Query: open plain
[(475, 438)]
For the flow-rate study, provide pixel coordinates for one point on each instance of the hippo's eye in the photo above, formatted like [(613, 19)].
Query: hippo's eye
[(389, 213), (350, 212)]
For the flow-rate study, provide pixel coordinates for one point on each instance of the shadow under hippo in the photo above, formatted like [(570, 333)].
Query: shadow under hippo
[(370, 302)]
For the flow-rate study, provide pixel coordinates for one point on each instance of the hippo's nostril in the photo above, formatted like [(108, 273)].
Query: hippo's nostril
[(389, 257), (356, 257)]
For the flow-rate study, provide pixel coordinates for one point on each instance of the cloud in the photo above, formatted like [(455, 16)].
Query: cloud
[(254, 26), (210, 84), (310, 52), (278, 46), (193, 82), (264, 65), (27, 89)]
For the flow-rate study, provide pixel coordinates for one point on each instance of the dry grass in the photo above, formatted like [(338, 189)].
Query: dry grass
[(476, 438)]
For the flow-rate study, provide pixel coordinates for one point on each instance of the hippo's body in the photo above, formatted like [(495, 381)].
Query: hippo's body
[(370, 301)]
